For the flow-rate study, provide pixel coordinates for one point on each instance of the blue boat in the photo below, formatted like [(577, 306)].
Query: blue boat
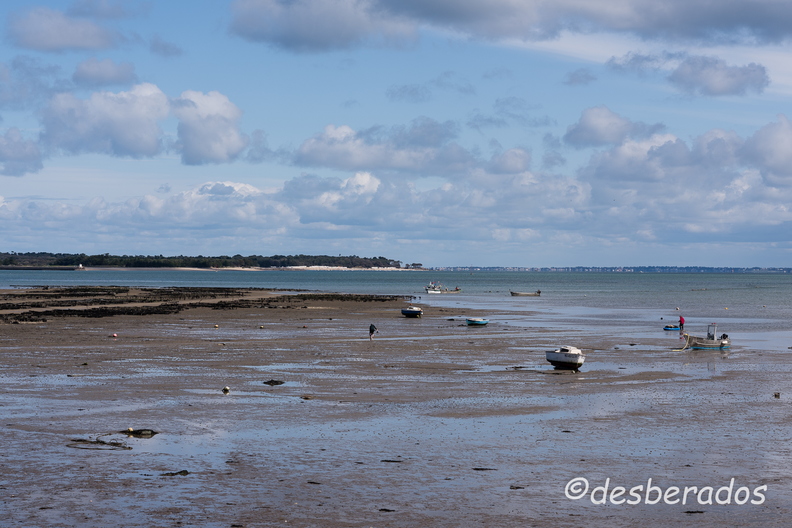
[(476, 321)]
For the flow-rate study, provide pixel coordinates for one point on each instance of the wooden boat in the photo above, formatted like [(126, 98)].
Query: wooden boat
[(537, 293), (412, 311), (436, 287), (566, 357), (476, 321), (707, 343)]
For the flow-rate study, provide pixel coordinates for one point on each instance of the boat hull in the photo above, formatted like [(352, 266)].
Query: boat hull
[(411, 312), (565, 360), (702, 343), (476, 321), (525, 294)]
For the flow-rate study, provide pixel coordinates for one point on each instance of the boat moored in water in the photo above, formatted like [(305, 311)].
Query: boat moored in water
[(436, 287), (566, 357)]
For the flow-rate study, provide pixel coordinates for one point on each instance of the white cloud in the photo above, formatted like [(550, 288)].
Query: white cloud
[(769, 148), (712, 76), (119, 124), (208, 128), (44, 29), (315, 25), (18, 156), (601, 126), (25, 82), (424, 147), (320, 25), (512, 161)]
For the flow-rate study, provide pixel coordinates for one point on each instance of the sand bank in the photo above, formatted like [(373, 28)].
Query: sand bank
[(432, 423)]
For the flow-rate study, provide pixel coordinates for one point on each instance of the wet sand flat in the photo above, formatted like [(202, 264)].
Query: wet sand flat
[(432, 423)]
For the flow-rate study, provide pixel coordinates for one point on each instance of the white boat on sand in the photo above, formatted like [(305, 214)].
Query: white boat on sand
[(707, 343), (566, 357)]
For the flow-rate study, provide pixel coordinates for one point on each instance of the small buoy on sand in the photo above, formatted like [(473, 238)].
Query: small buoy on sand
[(776, 394), (217, 326), (262, 326), (226, 389), (677, 307), (115, 335), (130, 429)]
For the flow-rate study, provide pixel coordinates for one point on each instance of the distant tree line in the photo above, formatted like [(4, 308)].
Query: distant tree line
[(159, 261)]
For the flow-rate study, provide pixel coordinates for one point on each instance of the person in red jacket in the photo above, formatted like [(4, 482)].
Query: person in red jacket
[(681, 323)]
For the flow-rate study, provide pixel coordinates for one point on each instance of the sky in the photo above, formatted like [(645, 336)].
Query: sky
[(443, 132)]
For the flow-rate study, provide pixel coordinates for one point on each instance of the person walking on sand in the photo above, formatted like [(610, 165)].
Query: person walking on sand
[(372, 329), (681, 323)]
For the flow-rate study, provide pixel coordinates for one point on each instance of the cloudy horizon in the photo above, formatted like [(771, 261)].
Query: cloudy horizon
[(467, 133)]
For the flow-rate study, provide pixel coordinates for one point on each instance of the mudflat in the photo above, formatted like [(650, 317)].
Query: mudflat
[(113, 413)]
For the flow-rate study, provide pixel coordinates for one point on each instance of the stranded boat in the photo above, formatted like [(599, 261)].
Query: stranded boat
[(537, 293), (566, 357), (707, 343), (412, 311), (476, 321)]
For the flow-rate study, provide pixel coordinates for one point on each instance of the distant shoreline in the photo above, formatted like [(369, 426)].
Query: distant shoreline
[(230, 268)]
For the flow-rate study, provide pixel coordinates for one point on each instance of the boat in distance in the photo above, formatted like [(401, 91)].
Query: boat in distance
[(537, 293), (476, 321), (708, 343), (412, 311), (566, 357), (436, 287)]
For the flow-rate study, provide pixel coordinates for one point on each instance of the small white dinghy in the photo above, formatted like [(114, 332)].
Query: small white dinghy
[(566, 357)]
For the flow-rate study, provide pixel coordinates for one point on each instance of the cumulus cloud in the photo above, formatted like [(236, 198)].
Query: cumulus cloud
[(95, 72), (641, 63), (44, 29), (315, 25), (769, 149), (512, 161), (27, 82), (208, 128), (600, 126), (119, 124), (18, 155), (425, 146), (712, 76), (333, 25)]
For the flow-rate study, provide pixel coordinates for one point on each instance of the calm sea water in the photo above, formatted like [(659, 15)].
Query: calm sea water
[(755, 307)]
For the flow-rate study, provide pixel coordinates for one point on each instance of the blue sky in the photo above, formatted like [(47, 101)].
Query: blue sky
[(446, 132)]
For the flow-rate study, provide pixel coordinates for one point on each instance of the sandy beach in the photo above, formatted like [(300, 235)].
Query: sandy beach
[(430, 424)]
